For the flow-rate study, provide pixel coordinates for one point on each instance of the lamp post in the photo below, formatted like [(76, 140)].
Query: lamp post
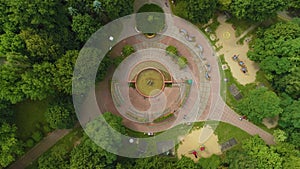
[(110, 38)]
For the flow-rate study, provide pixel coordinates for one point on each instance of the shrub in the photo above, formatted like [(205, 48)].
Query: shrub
[(172, 50), (127, 50), (37, 136), (29, 143)]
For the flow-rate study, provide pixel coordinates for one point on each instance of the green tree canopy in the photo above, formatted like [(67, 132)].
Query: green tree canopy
[(98, 130), (11, 42), (84, 26), (182, 61), (37, 14), (258, 104), (256, 10), (172, 50), (265, 156), (276, 49), (58, 157), (127, 50), (41, 47), (60, 114), (11, 81), (117, 8), (290, 116), (88, 155), (10, 147), (64, 71), (38, 82), (197, 11)]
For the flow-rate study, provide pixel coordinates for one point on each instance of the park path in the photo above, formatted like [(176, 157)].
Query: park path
[(247, 31), (39, 149), (283, 15), (228, 115), (225, 114), (231, 117)]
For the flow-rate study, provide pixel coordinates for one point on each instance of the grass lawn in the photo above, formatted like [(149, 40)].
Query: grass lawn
[(226, 131), (29, 115)]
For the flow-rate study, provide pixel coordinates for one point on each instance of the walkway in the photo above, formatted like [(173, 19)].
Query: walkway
[(229, 116), (247, 31), (217, 104), (283, 15), (39, 149)]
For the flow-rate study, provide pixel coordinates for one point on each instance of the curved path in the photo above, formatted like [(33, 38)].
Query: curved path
[(228, 116), (218, 110)]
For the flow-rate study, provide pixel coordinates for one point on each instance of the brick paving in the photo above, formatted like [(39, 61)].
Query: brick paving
[(216, 108)]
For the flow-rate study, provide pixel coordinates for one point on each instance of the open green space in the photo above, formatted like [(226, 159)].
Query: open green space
[(29, 117), (226, 131)]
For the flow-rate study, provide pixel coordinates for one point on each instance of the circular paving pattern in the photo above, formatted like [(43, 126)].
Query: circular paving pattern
[(226, 35), (186, 98)]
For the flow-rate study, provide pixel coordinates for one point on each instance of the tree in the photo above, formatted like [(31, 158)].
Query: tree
[(88, 155), (37, 14), (97, 129), (58, 157), (60, 114), (265, 156), (11, 81), (279, 136), (10, 146), (64, 71), (84, 26), (6, 112), (200, 11), (224, 4), (182, 62), (276, 49), (290, 116), (258, 104), (11, 42), (256, 10), (211, 162), (289, 153), (38, 82), (103, 68), (41, 47), (290, 83), (58, 117), (117, 8), (186, 162), (239, 159), (172, 50), (127, 50)]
